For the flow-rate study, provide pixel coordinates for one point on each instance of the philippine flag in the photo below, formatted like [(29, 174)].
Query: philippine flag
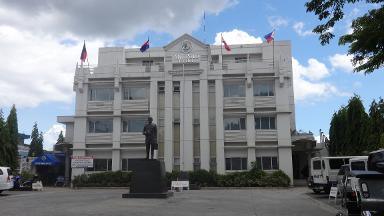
[(145, 46), (270, 37), (225, 44)]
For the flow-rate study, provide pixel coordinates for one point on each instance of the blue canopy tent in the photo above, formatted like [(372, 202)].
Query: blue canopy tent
[(48, 160), (49, 166)]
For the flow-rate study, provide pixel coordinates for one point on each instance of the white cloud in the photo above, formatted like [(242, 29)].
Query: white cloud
[(237, 37), (309, 84), (50, 137), (277, 21), (37, 68), (299, 26), (342, 62), (103, 19)]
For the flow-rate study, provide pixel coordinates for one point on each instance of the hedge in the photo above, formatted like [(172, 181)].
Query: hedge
[(103, 179), (201, 178)]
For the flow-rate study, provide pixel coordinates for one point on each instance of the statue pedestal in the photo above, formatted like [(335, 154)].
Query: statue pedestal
[(148, 180)]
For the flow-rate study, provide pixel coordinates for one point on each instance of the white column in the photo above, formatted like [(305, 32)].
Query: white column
[(116, 134), (204, 126), (284, 144), (249, 103), (186, 126), (220, 159), (153, 100), (168, 127)]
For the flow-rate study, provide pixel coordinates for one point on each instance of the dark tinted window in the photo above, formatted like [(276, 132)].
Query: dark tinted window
[(358, 165), (316, 165), (336, 163), (9, 172), (1, 172)]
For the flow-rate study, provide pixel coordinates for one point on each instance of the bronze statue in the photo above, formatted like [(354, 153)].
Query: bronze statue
[(150, 132)]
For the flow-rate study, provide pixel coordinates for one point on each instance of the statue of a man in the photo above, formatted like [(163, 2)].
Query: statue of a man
[(150, 132)]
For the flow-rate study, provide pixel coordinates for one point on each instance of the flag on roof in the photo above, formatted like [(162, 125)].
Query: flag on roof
[(270, 37), (83, 55), (145, 46), (225, 44)]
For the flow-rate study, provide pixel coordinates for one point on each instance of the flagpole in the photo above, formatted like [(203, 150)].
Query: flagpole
[(273, 53), (221, 51)]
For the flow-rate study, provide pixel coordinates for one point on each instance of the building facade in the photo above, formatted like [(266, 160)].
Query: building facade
[(215, 109)]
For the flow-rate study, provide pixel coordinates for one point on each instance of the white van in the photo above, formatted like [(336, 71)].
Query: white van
[(323, 172), (6, 181)]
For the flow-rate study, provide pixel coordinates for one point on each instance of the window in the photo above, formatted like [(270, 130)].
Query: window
[(101, 165), (176, 86), (1, 172), (241, 59), (134, 93), (236, 163), (234, 90), (265, 123), (267, 163), (125, 164), (234, 124), (263, 88), (336, 163), (358, 165), (147, 62), (317, 165), (133, 125), (100, 126), (101, 94), (160, 87)]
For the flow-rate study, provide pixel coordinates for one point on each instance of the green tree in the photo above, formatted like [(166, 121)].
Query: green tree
[(356, 126), (13, 138), (366, 42), (36, 146), (4, 139), (337, 133), (60, 139), (375, 125)]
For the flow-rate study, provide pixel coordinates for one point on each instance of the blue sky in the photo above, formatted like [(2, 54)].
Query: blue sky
[(41, 44)]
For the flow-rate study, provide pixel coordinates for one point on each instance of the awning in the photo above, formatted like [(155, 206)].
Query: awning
[(46, 160)]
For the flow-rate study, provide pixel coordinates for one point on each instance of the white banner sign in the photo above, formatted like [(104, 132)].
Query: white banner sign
[(81, 162)]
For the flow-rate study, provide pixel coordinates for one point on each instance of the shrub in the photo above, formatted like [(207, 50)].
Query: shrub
[(103, 179), (203, 178), (278, 179)]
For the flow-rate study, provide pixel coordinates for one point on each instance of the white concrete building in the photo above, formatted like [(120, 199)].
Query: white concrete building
[(214, 109)]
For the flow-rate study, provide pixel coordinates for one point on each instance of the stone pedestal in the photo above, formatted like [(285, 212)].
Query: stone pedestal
[(148, 180)]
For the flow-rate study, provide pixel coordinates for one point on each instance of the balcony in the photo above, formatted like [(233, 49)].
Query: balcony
[(135, 105), (266, 135), (235, 136), (234, 102), (135, 137), (239, 67), (97, 106), (264, 101), (98, 138)]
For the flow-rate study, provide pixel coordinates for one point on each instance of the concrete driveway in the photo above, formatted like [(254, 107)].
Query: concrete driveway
[(231, 202)]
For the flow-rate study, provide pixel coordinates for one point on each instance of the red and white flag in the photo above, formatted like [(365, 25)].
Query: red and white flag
[(83, 55), (225, 44)]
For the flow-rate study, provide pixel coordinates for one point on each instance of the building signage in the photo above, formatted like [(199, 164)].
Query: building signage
[(81, 162), (187, 58)]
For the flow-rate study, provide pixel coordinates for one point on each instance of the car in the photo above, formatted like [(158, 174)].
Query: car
[(6, 179), (324, 172)]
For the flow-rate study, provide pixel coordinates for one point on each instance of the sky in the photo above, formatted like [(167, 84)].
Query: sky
[(41, 42)]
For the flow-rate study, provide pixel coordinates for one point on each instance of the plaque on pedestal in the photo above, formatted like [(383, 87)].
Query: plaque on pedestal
[(148, 180)]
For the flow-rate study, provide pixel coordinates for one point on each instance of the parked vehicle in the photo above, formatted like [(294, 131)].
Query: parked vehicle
[(6, 179), (358, 163), (342, 177), (367, 187), (324, 172)]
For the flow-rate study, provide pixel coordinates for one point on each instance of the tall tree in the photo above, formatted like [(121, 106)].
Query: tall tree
[(375, 126), (60, 139), (356, 127), (36, 147), (366, 42), (4, 139), (13, 138), (337, 133)]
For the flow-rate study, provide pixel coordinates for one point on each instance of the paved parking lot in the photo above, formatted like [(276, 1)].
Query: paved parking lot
[(238, 202)]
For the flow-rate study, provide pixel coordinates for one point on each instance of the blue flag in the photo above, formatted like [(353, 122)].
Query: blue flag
[(145, 46)]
